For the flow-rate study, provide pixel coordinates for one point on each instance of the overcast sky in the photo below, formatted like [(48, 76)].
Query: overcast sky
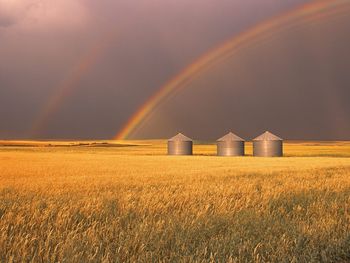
[(115, 54)]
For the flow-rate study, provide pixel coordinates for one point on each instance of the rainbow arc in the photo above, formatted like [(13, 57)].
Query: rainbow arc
[(306, 14)]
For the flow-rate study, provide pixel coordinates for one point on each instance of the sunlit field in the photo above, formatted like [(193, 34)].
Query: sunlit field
[(129, 202)]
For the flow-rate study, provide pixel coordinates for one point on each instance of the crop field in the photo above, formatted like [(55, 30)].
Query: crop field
[(127, 201)]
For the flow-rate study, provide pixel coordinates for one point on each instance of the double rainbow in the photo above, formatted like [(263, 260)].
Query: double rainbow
[(310, 13)]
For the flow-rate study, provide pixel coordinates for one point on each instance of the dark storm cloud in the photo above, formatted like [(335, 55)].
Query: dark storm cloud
[(153, 41), (6, 21), (12, 12), (6, 17)]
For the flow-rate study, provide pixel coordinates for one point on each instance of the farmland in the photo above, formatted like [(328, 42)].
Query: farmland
[(129, 202)]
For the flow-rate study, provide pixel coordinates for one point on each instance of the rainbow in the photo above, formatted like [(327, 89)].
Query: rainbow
[(308, 13), (69, 84)]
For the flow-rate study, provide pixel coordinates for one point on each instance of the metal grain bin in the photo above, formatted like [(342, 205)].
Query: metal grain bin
[(268, 145), (230, 145), (180, 145)]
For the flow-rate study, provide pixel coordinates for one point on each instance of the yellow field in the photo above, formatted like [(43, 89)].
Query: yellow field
[(129, 202)]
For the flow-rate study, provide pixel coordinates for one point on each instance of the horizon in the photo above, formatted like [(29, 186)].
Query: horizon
[(114, 69)]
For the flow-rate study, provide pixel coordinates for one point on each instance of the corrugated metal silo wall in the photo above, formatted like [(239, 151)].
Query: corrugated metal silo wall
[(180, 148), (230, 148), (268, 148)]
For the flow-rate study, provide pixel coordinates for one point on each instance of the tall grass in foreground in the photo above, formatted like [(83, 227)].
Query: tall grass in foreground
[(96, 206)]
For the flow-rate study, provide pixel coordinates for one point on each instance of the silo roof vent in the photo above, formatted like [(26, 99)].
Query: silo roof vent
[(231, 137), (268, 136), (180, 137)]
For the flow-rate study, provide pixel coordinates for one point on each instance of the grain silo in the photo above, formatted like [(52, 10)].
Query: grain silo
[(268, 145), (230, 145), (180, 145)]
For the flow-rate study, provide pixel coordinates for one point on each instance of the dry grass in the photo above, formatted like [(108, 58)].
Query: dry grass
[(128, 204)]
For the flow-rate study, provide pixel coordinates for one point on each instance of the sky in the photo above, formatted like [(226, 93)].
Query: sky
[(80, 69)]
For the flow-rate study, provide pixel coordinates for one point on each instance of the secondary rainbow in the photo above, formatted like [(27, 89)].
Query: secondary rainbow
[(70, 83), (309, 13)]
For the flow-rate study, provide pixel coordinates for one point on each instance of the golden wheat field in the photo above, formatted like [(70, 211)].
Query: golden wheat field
[(129, 202)]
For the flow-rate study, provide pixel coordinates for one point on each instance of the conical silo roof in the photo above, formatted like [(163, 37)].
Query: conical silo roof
[(180, 137), (230, 137), (268, 136)]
